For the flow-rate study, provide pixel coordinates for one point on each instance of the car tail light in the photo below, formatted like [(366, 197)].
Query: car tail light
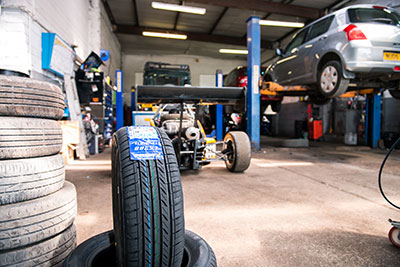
[(379, 7), (243, 82), (397, 68), (354, 33)]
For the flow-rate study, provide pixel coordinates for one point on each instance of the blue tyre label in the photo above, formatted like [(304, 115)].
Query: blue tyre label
[(144, 143)]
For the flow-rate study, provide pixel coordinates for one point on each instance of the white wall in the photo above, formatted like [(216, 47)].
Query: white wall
[(109, 41), (81, 23), (200, 66)]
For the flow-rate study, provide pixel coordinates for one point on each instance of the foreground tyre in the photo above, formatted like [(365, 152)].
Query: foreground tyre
[(29, 137), (237, 149), (197, 252), (26, 179), (100, 251), (20, 96), (330, 80), (394, 236), (29, 222), (147, 199), (50, 252)]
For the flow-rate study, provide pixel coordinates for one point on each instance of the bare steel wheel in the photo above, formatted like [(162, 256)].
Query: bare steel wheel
[(237, 150), (394, 236), (330, 80)]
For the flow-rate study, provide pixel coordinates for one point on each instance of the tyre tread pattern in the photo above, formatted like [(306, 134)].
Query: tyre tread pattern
[(20, 96), (50, 252), (22, 224), (152, 207), (29, 137), (26, 179)]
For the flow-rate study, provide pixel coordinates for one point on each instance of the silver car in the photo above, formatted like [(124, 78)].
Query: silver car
[(357, 46)]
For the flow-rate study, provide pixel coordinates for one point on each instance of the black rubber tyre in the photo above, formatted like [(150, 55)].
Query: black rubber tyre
[(26, 179), (20, 96), (331, 82), (238, 147), (147, 206), (197, 252), (395, 94), (318, 99), (276, 106), (32, 221), (99, 251), (50, 252), (29, 137)]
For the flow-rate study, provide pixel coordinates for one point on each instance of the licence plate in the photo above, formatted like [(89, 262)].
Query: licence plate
[(391, 56), (145, 105)]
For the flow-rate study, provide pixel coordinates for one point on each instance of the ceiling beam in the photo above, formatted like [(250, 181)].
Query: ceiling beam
[(177, 17), (136, 13), (263, 6), (109, 13), (218, 20), (192, 36)]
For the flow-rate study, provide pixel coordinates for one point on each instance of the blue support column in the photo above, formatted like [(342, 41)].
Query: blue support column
[(373, 120), (220, 109), (133, 99), (119, 102), (376, 120), (253, 76)]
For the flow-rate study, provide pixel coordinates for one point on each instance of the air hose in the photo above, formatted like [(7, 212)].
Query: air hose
[(380, 173)]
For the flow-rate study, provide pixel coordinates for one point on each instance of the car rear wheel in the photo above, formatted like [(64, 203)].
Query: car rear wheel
[(331, 82)]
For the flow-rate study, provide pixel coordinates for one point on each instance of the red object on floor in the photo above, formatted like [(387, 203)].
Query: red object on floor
[(315, 129)]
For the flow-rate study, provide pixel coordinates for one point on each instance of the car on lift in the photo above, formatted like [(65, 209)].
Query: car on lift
[(238, 78), (355, 47), (159, 73)]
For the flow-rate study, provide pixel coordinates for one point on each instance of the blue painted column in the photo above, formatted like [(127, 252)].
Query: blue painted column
[(119, 102), (220, 109), (376, 120), (253, 76), (133, 99), (373, 120)]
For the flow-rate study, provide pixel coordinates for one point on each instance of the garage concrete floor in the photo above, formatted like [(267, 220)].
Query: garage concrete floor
[(317, 206)]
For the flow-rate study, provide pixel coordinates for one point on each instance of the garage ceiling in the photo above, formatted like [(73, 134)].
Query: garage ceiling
[(223, 25)]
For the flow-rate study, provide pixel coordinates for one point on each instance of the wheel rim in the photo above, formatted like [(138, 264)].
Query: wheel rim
[(329, 79), (230, 154), (394, 236)]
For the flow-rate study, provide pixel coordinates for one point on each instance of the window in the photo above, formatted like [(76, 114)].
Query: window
[(320, 28), (296, 41), (379, 15)]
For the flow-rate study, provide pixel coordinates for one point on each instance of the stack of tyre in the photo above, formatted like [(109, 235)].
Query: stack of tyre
[(37, 208), (149, 228)]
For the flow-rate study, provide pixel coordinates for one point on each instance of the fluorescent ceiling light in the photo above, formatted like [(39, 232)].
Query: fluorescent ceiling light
[(281, 23), (233, 51), (165, 35), (179, 8)]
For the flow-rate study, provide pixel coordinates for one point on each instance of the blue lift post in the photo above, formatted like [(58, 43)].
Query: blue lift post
[(253, 76), (119, 102), (220, 116), (373, 120)]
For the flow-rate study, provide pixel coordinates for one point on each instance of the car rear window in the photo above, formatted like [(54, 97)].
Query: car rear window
[(377, 15)]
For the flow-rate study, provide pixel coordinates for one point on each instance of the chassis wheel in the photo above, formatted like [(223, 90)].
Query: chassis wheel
[(330, 80), (237, 149), (394, 236), (147, 199)]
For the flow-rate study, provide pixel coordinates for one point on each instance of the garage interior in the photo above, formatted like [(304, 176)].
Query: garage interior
[(310, 196)]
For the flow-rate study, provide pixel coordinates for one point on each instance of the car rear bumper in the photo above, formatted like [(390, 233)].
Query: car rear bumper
[(365, 59)]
